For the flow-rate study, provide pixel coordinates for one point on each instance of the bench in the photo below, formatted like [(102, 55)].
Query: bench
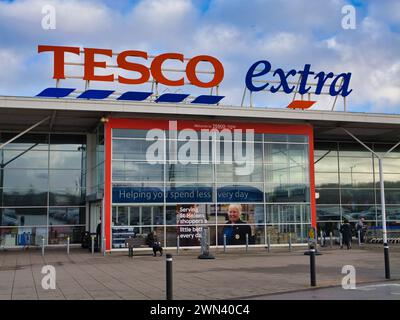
[(137, 242)]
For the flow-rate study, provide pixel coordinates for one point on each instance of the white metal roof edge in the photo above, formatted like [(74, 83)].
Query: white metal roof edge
[(185, 109)]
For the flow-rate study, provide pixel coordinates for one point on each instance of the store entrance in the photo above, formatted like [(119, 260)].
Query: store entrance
[(94, 215)]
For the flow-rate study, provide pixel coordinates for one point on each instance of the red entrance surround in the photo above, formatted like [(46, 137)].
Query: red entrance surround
[(146, 124)]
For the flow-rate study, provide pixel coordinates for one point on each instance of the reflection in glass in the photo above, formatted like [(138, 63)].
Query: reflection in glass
[(23, 216), (66, 215), (22, 178), (66, 160), (137, 149), (189, 172), (283, 214), (25, 159), (357, 196), (328, 213), (137, 171), (356, 180), (231, 173), (67, 197), (71, 179), (287, 193), (326, 180), (12, 197), (59, 235), (327, 196)]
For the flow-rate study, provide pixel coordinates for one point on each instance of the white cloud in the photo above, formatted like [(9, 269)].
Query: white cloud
[(237, 32)]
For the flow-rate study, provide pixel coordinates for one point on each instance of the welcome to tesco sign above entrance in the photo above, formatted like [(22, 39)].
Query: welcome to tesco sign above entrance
[(339, 84)]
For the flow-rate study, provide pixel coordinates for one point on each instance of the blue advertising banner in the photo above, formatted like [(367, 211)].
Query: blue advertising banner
[(190, 194), (186, 194), (137, 195), (239, 193)]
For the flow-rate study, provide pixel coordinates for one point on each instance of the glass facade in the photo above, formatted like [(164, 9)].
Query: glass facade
[(42, 189), (179, 182), (347, 184)]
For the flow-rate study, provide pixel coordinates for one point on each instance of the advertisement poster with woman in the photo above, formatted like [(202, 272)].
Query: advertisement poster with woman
[(238, 220), (190, 220)]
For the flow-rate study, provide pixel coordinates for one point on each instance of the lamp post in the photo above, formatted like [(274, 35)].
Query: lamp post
[(383, 204)]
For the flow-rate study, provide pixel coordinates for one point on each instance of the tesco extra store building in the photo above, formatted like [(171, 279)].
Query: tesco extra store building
[(170, 162)]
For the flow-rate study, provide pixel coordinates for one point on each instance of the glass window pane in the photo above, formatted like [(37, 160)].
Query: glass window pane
[(67, 197), (282, 214), (59, 235), (392, 196), (67, 142), (67, 160), (327, 196), (137, 171), (22, 159), (24, 178), (354, 212), (392, 180), (356, 180), (23, 216), (23, 236), (358, 196), (298, 154), (389, 165), (275, 138), (326, 164), (60, 179), (297, 138), (326, 180), (12, 197), (328, 213), (146, 215), (189, 172), (276, 153), (233, 173), (129, 133), (355, 164), (287, 193), (137, 149), (66, 215)]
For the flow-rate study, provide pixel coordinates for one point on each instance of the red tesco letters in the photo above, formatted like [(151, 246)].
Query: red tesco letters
[(155, 70)]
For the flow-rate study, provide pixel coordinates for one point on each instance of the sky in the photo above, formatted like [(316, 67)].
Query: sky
[(287, 33)]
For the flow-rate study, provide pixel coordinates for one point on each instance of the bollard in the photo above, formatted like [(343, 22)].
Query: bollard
[(290, 241), (269, 242), (92, 244), (330, 239), (359, 237), (340, 240), (247, 242), (312, 267), (177, 245), (169, 276), (68, 245), (322, 242), (224, 243), (104, 247), (42, 246), (387, 263)]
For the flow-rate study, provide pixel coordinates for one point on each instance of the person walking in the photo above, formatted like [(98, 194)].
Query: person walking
[(361, 228), (345, 230)]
